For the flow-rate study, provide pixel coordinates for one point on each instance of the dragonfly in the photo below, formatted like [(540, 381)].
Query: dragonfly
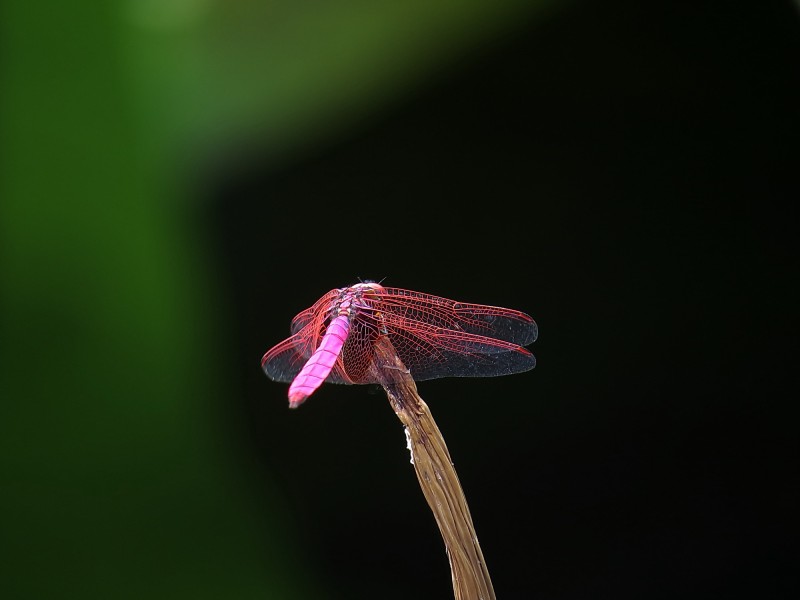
[(434, 337)]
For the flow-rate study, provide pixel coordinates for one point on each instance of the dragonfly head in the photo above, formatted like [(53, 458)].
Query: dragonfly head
[(364, 286)]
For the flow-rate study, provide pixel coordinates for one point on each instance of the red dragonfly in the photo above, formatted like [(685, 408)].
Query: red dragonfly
[(434, 337)]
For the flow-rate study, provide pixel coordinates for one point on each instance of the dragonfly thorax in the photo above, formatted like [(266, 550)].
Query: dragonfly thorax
[(354, 299)]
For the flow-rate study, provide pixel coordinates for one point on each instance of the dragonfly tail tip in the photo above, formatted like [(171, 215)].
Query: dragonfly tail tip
[(296, 400)]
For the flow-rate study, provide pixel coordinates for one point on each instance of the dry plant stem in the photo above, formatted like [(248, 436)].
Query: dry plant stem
[(436, 476)]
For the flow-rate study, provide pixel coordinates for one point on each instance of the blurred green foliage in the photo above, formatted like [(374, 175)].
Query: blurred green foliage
[(117, 479)]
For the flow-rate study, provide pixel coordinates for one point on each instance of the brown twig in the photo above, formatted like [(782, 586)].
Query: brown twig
[(436, 476)]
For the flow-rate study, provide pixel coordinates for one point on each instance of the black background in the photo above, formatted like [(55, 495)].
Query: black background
[(624, 172)]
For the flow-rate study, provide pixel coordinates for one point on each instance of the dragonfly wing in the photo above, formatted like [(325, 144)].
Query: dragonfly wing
[(284, 361), (316, 314), (301, 321), (499, 323), (434, 352), (494, 322)]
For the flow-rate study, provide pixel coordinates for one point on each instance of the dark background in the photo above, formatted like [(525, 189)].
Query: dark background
[(179, 179), (621, 172)]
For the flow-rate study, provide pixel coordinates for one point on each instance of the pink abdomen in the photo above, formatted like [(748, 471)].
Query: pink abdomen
[(319, 366)]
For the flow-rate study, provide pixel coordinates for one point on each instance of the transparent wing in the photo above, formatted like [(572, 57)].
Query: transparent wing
[(488, 321), (437, 337)]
